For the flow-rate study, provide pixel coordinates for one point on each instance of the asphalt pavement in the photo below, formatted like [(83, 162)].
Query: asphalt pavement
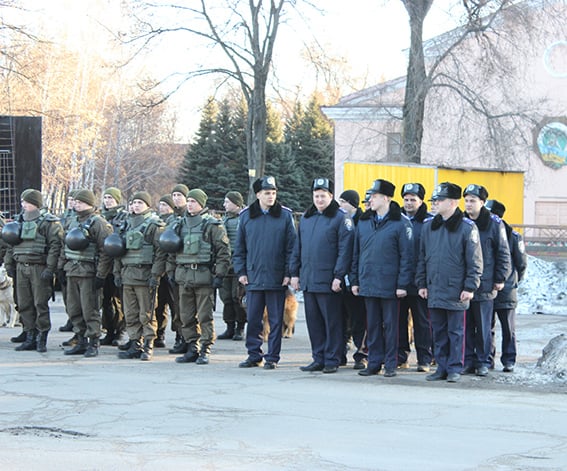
[(59, 412)]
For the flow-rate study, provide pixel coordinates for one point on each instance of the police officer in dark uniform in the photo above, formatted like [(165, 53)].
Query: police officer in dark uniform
[(198, 269), (86, 266), (321, 259), (354, 309), (507, 298), (139, 271), (382, 271), (112, 313), (266, 236), (233, 314), (448, 273), (496, 269), (34, 260), (416, 210)]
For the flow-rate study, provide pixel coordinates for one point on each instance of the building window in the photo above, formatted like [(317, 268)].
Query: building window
[(394, 145)]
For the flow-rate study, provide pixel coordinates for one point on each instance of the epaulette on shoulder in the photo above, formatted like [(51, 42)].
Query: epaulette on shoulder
[(495, 218), (428, 219), (404, 216), (342, 210), (244, 210), (287, 209), (470, 222)]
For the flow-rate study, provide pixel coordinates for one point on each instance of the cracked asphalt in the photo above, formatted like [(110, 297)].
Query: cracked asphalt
[(76, 413)]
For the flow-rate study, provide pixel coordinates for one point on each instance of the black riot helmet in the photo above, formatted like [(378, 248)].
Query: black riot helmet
[(11, 233), (114, 245), (76, 239), (169, 241)]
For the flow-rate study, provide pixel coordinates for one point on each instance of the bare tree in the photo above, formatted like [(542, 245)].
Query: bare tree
[(246, 33)]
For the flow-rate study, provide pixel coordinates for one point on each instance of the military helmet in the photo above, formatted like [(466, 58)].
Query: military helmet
[(114, 245), (76, 239), (169, 241), (11, 233)]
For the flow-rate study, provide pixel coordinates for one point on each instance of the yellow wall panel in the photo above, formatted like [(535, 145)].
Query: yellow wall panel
[(506, 187)]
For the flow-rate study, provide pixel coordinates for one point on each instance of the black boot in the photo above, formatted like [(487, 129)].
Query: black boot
[(159, 341), (229, 332), (68, 327), (107, 339), (19, 338), (135, 351), (148, 352), (41, 341), (180, 345), (120, 339), (239, 331), (125, 346), (92, 347), (78, 349), (29, 343), (71, 342)]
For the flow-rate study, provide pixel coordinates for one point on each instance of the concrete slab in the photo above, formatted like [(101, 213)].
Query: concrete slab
[(58, 412)]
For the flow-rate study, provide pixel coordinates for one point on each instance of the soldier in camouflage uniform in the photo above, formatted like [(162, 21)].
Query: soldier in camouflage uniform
[(233, 313), (86, 266), (198, 269), (34, 260), (65, 219), (112, 313), (139, 272)]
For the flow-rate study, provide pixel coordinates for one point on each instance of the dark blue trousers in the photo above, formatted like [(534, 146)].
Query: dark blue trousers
[(382, 318), (256, 301), (324, 317), (354, 314), (507, 318), (421, 330), (448, 339), (478, 337)]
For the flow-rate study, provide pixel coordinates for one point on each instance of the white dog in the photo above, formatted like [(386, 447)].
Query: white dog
[(8, 315)]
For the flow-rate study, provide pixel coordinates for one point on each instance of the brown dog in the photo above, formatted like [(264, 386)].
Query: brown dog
[(289, 317)]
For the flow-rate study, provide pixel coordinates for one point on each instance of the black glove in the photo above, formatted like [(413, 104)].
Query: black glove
[(171, 280), (46, 274), (62, 277), (153, 282), (217, 282), (117, 281), (11, 272), (98, 282)]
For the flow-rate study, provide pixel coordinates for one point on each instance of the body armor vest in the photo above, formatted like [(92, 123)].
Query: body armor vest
[(195, 249), (88, 254), (138, 250), (33, 241)]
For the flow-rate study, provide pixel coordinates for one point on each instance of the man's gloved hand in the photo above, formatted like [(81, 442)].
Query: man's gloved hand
[(62, 276), (153, 282), (117, 281), (217, 282), (171, 280), (11, 272), (98, 282), (46, 274)]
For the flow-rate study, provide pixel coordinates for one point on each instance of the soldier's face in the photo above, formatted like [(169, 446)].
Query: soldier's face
[(81, 206), (139, 206), (179, 199), (70, 203), (27, 207), (109, 202), (193, 207), (164, 208), (230, 206), (411, 204), (473, 204)]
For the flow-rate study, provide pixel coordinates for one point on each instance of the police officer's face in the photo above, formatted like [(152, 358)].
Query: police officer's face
[(473, 204), (109, 202), (446, 207), (378, 202), (322, 199), (230, 206), (164, 208), (193, 207), (28, 207), (412, 203), (267, 198), (139, 206), (179, 199)]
